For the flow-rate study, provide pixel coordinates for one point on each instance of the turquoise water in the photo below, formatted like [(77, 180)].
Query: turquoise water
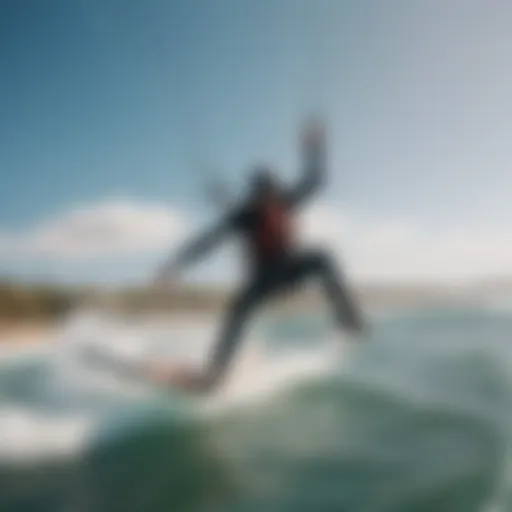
[(416, 419)]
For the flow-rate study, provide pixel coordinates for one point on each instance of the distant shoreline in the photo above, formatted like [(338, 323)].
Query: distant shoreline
[(28, 313), (26, 332)]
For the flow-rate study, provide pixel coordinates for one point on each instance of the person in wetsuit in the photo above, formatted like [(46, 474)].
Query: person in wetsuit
[(265, 222)]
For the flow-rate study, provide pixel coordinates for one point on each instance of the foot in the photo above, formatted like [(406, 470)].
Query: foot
[(358, 331), (176, 376)]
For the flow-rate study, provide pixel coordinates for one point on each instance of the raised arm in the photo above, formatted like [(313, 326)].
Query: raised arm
[(313, 149)]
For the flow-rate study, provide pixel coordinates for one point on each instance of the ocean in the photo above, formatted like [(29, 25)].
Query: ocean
[(414, 418)]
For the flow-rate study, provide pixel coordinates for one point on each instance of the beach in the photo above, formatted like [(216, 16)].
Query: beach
[(26, 333)]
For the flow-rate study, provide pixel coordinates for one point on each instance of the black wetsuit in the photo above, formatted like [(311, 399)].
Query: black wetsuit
[(276, 265)]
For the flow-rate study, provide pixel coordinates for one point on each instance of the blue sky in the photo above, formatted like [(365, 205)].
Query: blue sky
[(131, 101)]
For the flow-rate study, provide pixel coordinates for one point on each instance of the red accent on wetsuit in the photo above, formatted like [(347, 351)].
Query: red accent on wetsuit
[(273, 234)]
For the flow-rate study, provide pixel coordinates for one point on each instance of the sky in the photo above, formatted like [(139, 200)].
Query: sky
[(113, 114)]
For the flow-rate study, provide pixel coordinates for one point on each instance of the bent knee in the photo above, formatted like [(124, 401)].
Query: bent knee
[(319, 260)]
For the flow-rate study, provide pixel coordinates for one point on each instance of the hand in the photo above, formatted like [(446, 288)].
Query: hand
[(164, 278), (313, 134), (179, 377)]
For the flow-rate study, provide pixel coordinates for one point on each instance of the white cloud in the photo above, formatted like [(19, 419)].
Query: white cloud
[(109, 228), (379, 248), (371, 247)]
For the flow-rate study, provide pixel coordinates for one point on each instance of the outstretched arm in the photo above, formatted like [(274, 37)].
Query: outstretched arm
[(314, 156), (196, 249)]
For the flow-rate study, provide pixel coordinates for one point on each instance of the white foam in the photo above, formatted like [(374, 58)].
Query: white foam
[(256, 377), (255, 374), (27, 436)]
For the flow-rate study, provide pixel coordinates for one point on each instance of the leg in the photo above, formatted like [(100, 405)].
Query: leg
[(345, 307), (237, 317)]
